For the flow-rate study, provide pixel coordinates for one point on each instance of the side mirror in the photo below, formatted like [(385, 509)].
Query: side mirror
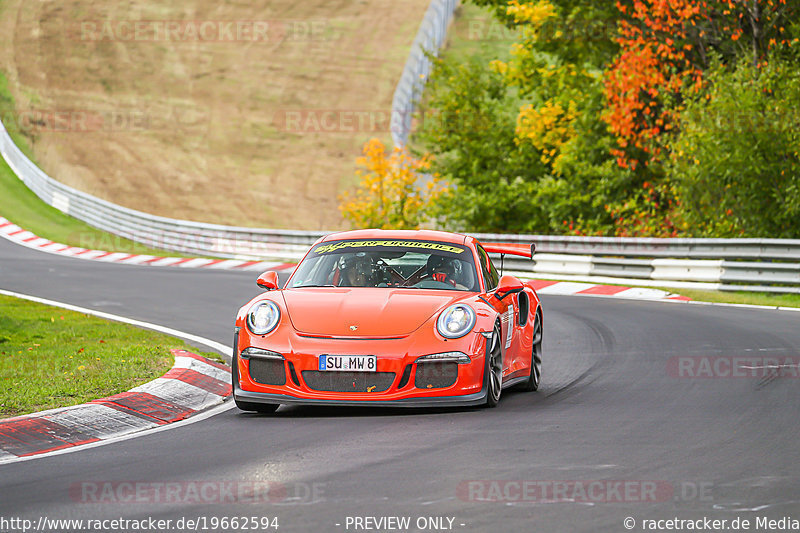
[(508, 285), (268, 280)]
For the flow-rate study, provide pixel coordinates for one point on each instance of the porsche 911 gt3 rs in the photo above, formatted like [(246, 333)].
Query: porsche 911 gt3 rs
[(389, 318)]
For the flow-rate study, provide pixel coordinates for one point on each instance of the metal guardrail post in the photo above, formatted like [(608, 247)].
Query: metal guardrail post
[(430, 38)]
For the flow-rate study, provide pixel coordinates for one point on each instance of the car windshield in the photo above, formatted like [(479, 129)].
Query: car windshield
[(388, 263)]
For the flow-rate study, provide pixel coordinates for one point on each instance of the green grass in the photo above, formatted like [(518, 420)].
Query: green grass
[(51, 357), (740, 297), (22, 207)]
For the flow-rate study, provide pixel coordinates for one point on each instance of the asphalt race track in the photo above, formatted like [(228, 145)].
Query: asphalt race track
[(622, 426)]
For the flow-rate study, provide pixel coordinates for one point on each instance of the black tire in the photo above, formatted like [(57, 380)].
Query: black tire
[(536, 357), (247, 406), (494, 369)]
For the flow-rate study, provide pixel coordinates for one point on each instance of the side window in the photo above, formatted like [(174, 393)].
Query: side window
[(489, 272)]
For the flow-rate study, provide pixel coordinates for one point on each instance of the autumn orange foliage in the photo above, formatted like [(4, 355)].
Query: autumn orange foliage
[(664, 49), (395, 192)]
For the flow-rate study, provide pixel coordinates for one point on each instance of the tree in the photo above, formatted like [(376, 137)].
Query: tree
[(665, 46), (580, 31), (575, 132), (468, 123), (389, 195), (557, 66), (735, 163), (665, 49), (521, 140)]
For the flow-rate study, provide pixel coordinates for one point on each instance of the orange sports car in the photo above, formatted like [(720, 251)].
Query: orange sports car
[(389, 318)]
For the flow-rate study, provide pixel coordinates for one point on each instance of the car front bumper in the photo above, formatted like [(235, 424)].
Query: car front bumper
[(466, 400)]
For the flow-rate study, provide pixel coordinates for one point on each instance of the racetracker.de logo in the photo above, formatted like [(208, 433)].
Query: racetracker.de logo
[(565, 491), (706, 367), (211, 31), (332, 121), (372, 120), (195, 492), (76, 121), (550, 31)]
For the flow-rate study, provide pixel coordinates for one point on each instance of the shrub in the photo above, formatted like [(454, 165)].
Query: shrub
[(735, 167)]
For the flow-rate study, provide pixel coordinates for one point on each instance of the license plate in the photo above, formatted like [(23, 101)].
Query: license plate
[(361, 363)]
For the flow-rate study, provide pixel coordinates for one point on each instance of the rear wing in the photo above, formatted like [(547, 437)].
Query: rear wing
[(510, 248)]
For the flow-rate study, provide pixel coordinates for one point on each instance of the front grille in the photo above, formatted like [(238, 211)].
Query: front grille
[(348, 381), (268, 371), (435, 375)]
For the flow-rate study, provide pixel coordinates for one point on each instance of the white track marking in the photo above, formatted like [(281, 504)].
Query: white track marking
[(565, 287), (214, 345), (641, 293)]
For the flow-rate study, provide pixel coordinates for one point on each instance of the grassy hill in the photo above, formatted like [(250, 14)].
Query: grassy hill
[(246, 113)]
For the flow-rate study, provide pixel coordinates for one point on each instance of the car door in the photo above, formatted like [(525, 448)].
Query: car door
[(505, 308), (519, 354)]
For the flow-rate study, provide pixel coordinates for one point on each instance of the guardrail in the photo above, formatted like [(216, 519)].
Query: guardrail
[(720, 274), (739, 249), (430, 38), (726, 264), (158, 232), (762, 264)]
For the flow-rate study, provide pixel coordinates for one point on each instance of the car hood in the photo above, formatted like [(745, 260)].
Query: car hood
[(363, 312)]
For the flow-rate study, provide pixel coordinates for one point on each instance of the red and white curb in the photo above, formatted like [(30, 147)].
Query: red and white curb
[(18, 235), (193, 384), (573, 288)]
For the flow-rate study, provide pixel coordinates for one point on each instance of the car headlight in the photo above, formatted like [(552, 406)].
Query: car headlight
[(447, 357), (263, 317), (456, 321)]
